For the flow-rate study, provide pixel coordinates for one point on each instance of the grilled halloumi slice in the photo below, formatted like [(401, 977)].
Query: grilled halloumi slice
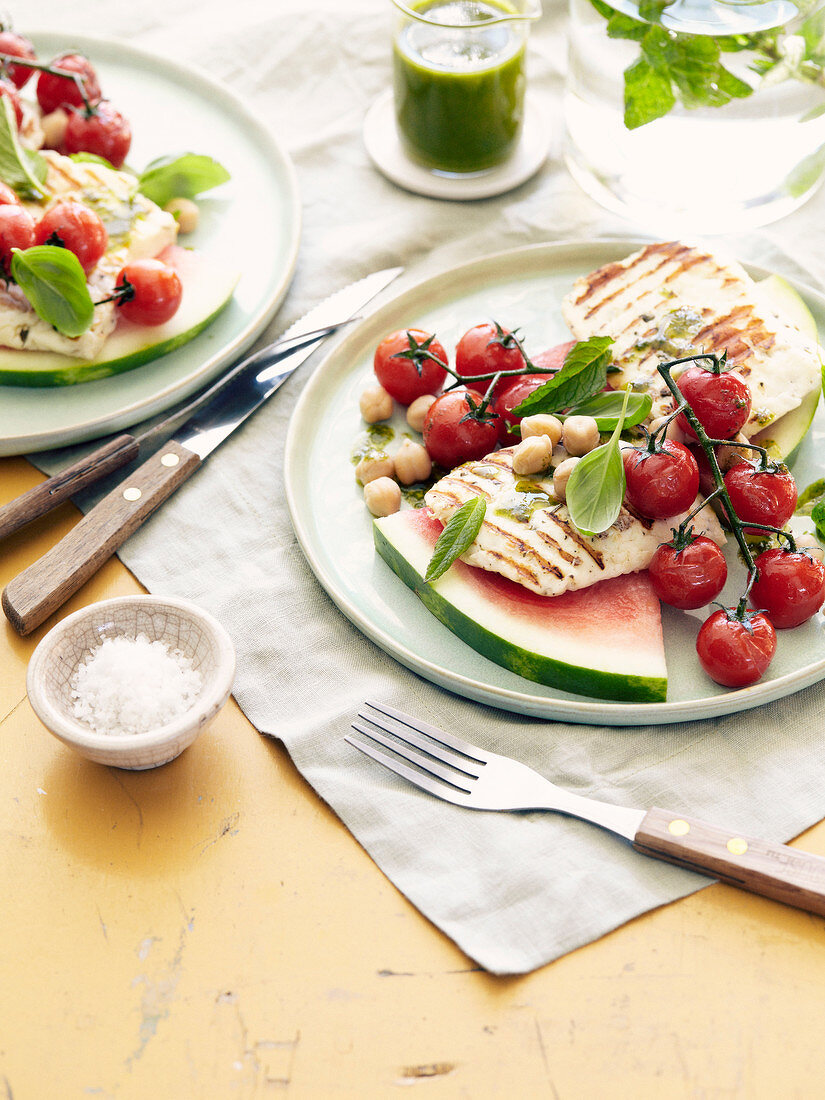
[(671, 299), (527, 535), (137, 229)]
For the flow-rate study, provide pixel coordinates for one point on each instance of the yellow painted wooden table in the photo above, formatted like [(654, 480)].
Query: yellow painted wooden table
[(209, 929)]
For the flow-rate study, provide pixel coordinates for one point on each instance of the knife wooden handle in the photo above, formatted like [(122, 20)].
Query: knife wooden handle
[(45, 586), (86, 471), (772, 870)]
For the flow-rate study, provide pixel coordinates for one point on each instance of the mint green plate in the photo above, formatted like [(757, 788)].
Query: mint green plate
[(251, 224), (524, 289)]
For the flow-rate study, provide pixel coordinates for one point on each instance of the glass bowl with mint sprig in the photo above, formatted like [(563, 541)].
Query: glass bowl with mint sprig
[(697, 116)]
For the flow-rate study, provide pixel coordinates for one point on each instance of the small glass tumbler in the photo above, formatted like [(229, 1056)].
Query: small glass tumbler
[(458, 80)]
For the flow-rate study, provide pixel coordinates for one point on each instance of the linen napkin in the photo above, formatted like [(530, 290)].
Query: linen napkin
[(513, 891)]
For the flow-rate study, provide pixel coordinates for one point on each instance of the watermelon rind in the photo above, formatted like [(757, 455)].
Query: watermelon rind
[(609, 673)]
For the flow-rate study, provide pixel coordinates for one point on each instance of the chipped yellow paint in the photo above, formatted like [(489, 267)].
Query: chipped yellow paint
[(210, 930)]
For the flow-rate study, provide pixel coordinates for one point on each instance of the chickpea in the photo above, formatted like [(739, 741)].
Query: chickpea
[(541, 424), (532, 456), (186, 214), (417, 412), (412, 463), (808, 542), (375, 404), (559, 455), (561, 476), (382, 496), (731, 455), (673, 430), (580, 434), (373, 466), (54, 126)]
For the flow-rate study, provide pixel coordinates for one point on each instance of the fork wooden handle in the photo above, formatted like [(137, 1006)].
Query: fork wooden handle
[(86, 471), (34, 594), (772, 870)]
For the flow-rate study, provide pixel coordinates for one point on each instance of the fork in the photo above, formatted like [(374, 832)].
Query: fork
[(458, 772)]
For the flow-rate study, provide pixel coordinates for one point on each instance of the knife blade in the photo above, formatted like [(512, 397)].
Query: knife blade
[(33, 595), (119, 451)]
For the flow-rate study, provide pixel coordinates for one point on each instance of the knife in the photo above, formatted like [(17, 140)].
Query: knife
[(198, 428)]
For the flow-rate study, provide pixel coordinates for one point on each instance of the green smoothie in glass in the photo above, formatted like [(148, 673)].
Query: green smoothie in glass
[(459, 83)]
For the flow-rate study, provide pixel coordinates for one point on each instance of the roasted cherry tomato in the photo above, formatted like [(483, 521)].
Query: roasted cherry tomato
[(8, 89), (690, 576), (17, 46), (104, 132), (62, 91), (661, 483), (76, 227), (790, 586), (720, 402), (405, 367), (761, 496), (7, 196), (734, 652), (509, 398), (452, 434), (487, 349), (150, 290), (17, 230)]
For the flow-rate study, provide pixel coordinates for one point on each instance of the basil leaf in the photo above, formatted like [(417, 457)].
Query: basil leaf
[(596, 487), (606, 408), (583, 373), (183, 176), (22, 169), (91, 158), (818, 516), (456, 537), (53, 281)]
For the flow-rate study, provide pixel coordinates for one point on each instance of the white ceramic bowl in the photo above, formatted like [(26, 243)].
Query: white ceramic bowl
[(181, 625)]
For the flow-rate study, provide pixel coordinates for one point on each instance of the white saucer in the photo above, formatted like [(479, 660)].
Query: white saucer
[(384, 147)]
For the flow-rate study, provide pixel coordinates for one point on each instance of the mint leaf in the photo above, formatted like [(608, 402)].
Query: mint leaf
[(53, 281), (583, 373), (647, 94), (606, 408), (596, 487), (622, 26), (694, 67), (184, 176), (22, 169), (456, 537), (651, 10)]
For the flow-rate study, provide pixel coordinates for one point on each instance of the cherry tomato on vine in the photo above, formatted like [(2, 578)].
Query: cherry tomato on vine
[(487, 349), (761, 496), (790, 586), (151, 292), (404, 367), (76, 227), (736, 652), (452, 435), (720, 402), (104, 132), (62, 91), (17, 230), (509, 398), (690, 576), (17, 46), (662, 483)]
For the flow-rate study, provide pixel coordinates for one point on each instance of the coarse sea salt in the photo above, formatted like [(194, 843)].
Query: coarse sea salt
[(132, 685)]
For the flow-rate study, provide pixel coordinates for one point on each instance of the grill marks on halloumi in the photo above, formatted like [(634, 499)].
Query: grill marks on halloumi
[(138, 229), (543, 550), (671, 299)]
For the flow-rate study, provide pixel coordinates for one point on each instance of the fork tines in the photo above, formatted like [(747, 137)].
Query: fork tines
[(433, 754)]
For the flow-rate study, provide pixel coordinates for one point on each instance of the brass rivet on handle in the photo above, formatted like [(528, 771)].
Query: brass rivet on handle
[(678, 827), (170, 459), (132, 493), (737, 846)]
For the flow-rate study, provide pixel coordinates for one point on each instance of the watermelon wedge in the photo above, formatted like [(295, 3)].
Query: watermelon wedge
[(604, 641)]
